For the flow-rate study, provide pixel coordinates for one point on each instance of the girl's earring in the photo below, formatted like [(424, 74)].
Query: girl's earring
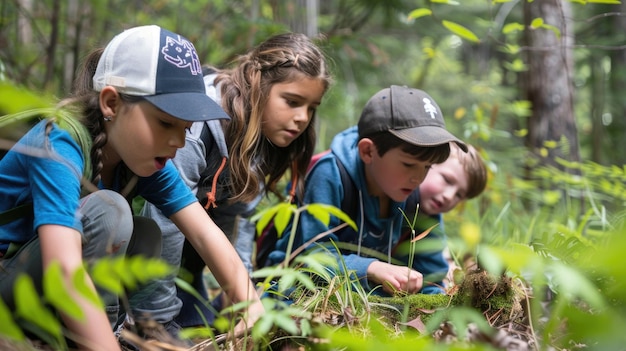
[(108, 118)]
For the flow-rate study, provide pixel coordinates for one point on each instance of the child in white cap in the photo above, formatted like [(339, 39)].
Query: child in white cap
[(126, 119)]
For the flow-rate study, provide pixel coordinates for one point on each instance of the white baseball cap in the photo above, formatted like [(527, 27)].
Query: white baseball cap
[(160, 66)]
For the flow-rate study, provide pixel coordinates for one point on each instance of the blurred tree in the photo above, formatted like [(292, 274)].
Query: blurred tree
[(371, 44), (547, 83), (614, 118)]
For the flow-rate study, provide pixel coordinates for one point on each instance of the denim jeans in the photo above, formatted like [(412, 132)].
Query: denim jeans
[(109, 230)]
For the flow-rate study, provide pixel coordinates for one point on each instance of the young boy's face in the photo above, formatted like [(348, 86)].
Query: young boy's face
[(445, 186), (395, 174)]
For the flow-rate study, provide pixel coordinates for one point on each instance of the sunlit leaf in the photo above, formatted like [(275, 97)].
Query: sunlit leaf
[(56, 293), (550, 144), (9, 328), (145, 269), (197, 333), (512, 27), (104, 276), (30, 307), (551, 197), (609, 2), (417, 13), (16, 100), (120, 268), (319, 211), (512, 49), (460, 31), (516, 66), (554, 29), (429, 52), (222, 324), (322, 213), (264, 217), (536, 23), (281, 220), (521, 132), (515, 257), (79, 279)]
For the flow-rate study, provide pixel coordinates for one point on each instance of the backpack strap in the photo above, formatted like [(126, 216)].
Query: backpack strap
[(212, 136), (349, 203), (266, 241), (14, 213)]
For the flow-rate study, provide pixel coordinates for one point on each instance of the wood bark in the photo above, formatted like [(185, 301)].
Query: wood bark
[(548, 82), (615, 143)]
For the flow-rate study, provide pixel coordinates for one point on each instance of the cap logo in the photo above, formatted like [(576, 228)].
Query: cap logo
[(182, 54), (429, 108)]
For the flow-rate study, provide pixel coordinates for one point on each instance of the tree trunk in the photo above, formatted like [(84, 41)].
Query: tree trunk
[(52, 43), (598, 93), (24, 32), (548, 82), (615, 143), (301, 16), (72, 38)]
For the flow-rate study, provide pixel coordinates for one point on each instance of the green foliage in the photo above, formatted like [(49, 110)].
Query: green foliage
[(57, 294), (281, 315), (559, 232), (9, 327), (38, 314), (460, 31), (32, 309), (116, 274), (16, 99)]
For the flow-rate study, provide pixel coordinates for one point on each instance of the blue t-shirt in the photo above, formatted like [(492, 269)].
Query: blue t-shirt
[(46, 172)]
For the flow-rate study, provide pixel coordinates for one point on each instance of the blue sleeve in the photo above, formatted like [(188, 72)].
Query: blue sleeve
[(46, 172), (166, 190), (323, 185), (54, 179)]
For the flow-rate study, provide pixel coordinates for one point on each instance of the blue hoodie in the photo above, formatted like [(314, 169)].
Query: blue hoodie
[(323, 185)]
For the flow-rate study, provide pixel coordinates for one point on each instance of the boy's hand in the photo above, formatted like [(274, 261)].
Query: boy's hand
[(395, 278)]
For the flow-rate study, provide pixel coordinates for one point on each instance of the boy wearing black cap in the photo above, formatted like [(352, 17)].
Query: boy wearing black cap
[(400, 134)]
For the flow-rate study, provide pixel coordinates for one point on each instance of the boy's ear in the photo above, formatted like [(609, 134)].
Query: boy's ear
[(109, 101), (366, 150)]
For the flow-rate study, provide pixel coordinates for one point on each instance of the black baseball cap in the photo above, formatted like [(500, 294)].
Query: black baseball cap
[(409, 114)]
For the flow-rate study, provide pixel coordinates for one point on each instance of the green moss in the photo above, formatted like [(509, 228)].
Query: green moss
[(417, 305)]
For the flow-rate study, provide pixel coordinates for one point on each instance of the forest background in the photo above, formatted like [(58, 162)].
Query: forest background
[(536, 86)]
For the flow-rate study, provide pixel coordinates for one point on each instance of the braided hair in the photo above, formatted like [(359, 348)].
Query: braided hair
[(84, 102), (245, 89)]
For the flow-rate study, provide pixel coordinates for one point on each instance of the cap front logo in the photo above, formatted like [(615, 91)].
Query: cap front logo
[(181, 53), (429, 108)]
